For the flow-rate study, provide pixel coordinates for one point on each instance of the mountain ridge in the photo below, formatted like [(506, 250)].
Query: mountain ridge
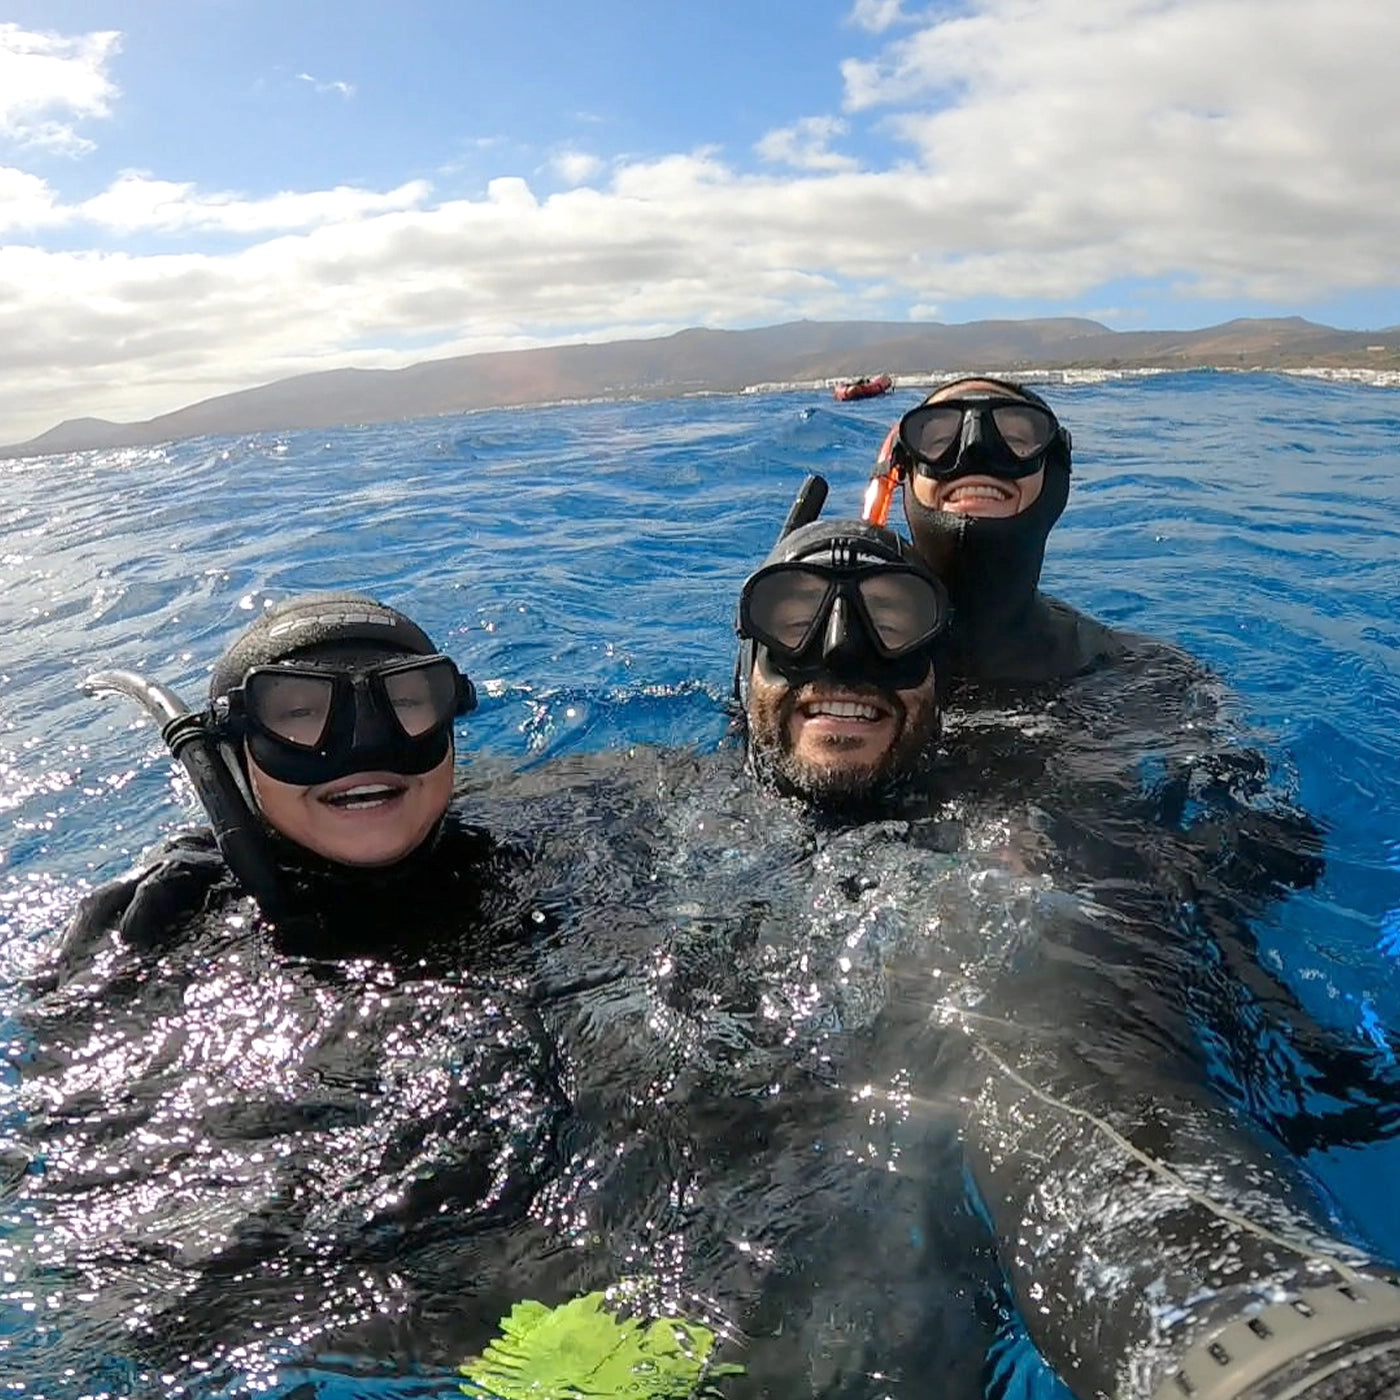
[(701, 359)]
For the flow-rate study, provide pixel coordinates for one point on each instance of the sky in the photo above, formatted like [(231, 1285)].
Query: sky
[(198, 196)]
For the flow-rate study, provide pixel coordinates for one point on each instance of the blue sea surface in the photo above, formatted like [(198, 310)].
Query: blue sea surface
[(582, 562)]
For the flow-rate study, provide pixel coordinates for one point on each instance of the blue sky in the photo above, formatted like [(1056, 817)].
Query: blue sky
[(200, 195)]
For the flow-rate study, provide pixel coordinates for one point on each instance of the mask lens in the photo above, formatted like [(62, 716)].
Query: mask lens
[(784, 606), (296, 708), (1026, 430), (421, 697), (931, 432), (904, 609)]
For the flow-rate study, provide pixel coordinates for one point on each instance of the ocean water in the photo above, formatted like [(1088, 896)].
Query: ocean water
[(582, 563)]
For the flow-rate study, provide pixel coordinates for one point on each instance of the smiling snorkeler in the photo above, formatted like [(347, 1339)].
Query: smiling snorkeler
[(835, 672), (324, 761)]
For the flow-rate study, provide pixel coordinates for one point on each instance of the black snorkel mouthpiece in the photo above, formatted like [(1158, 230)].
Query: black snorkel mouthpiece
[(238, 831)]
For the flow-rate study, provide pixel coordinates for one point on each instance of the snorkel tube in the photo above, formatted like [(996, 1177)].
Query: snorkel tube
[(238, 831), (806, 507)]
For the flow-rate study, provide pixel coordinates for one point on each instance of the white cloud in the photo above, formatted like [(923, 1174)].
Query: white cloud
[(26, 201), (878, 15), (1234, 148), (137, 202), (336, 85), (48, 83), (575, 167), (806, 145), (1245, 147)]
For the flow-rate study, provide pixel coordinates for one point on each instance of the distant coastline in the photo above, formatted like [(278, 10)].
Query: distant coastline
[(800, 355), (1101, 374)]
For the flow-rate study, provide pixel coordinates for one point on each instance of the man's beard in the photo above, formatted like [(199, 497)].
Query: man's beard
[(839, 787)]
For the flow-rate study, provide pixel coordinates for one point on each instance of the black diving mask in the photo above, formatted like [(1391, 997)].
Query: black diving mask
[(306, 724), (865, 622), (978, 435)]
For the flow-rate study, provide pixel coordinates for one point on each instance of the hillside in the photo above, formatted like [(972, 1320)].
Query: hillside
[(724, 361)]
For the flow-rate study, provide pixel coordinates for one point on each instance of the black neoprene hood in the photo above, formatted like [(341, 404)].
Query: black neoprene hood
[(991, 566), (854, 537), (314, 621)]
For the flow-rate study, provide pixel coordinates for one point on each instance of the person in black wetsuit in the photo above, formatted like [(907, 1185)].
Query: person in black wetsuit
[(1126, 744), (719, 1171), (893, 970), (985, 467), (282, 1078), (326, 768)]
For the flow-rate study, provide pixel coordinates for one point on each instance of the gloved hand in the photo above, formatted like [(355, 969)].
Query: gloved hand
[(145, 906)]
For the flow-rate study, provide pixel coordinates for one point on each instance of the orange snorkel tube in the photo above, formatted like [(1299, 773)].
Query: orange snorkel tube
[(879, 495)]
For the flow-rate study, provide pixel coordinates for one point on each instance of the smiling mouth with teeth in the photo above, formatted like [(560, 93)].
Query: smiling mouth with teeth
[(980, 495), (840, 709), (980, 492), (362, 796)]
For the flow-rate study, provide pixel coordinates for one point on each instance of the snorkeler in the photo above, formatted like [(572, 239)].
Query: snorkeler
[(836, 671), (324, 759), (985, 467), (266, 1122), (1127, 744), (1155, 1241)]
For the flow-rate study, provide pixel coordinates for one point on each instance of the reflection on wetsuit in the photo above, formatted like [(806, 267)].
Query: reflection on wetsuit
[(722, 1148), (1149, 1115), (251, 1140), (1152, 827), (832, 1006), (1137, 1212)]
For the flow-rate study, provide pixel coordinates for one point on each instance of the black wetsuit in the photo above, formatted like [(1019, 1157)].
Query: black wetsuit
[(1003, 628), (459, 882), (247, 1139), (1125, 1144), (775, 1101)]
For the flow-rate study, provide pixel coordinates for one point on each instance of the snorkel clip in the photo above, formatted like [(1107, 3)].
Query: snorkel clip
[(889, 472)]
